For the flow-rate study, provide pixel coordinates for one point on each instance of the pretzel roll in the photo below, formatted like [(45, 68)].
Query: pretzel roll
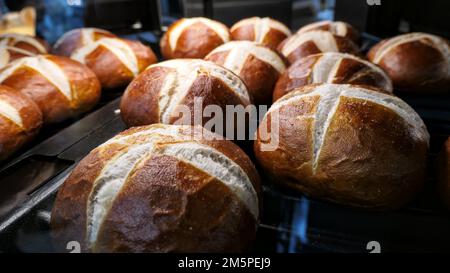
[(444, 173), (258, 66), (265, 31), (76, 38), (159, 94), (336, 27), (160, 189), (115, 61), (331, 67), (31, 44), (193, 38), (347, 144), (61, 87), (416, 62), (9, 54), (301, 45), (20, 121)]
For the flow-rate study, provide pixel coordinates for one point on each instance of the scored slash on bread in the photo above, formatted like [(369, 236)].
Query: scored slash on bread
[(193, 38), (258, 66), (155, 95), (331, 67), (61, 87), (301, 45), (347, 144), (265, 31), (126, 175), (336, 27)]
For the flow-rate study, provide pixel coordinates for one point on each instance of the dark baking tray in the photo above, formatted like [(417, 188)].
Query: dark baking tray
[(290, 222)]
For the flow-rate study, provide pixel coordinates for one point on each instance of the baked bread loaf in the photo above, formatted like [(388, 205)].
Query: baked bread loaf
[(193, 38), (157, 94), (265, 31), (444, 173), (20, 121), (346, 144), (336, 27), (115, 61), (258, 66), (416, 62), (9, 54), (160, 188), (331, 67), (31, 44), (301, 45), (61, 87), (76, 38)]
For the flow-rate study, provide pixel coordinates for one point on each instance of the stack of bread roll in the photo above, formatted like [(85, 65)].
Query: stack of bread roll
[(335, 130)]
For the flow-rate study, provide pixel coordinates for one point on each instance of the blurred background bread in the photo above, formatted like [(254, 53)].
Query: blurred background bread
[(61, 87), (336, 27), (20, 121), (416, 62)]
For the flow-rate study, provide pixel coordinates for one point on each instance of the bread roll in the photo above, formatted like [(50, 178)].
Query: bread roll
[(156, 94), (31, 44), (416, 62), (9, 54), (61, 87), (115, 61), (444, 173), (265, 31), (160, 188), (258, 66), (20, 121), (346, 144), (76, 38), (193, 38), (301, 45), (336, 27), (331, 67)]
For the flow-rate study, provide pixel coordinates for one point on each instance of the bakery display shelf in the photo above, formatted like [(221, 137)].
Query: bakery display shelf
[(290, 221)]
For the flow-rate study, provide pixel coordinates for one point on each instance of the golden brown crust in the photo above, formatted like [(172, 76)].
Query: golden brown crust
[(26, 46), (13, 136), (54, 105), (73, 40), (111, 71), (259, 77), (246, 32), (195, 41), (165, 204), (444, 173), (369, 157), (307, 48), (350, 71), (415, 66), (351, 32)]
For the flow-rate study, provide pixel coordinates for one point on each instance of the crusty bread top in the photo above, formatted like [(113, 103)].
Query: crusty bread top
[(47, 68), (169, 140), (238, 51), (330, 95), (5, 56), (181, 76), (181, 25), (116, 46), (427, 39), (325, 69), (262, 26), (324, 41), (87, 35), (11, 113), (336, 27), (12, 39)]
